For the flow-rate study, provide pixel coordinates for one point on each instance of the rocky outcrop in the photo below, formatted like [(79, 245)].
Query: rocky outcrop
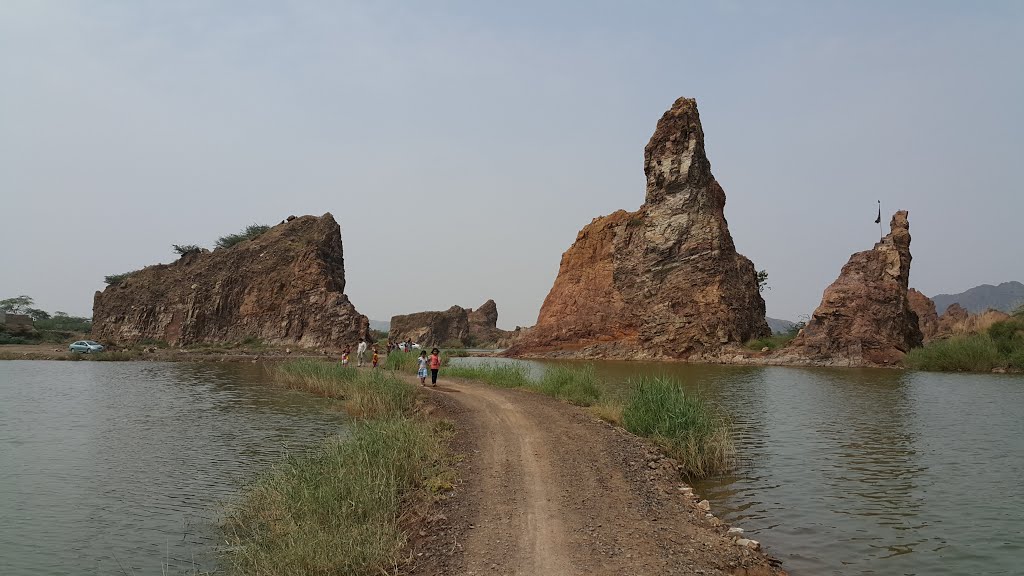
[(957, 321), (454, 326), (483, 325), (927, 319), (285, 287), (431, 328), (663, 282), (865, 317)]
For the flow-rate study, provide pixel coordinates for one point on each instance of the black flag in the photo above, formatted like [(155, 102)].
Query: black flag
[(879, 219)]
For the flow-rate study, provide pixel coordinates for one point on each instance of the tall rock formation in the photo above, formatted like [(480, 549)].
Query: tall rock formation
[(957, 321), (456, 325), (865, 317), (927, 319), (286, 286), (662, 282)]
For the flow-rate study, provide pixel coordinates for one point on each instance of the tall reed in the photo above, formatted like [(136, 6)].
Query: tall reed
[(690, 428)]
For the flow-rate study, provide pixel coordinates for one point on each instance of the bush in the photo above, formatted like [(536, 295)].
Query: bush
[(771, 342), (182, 249), (60, 321), (251, 231), (689, 428), (113, 279), (1008, 336)]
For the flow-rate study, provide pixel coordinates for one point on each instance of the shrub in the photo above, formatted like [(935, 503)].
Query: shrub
[(251, 231), (183, 249), (1007, 335), (688, 427), (113, 279), (771, 342)]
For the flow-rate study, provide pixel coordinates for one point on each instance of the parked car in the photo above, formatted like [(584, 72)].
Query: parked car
[(86, 347)]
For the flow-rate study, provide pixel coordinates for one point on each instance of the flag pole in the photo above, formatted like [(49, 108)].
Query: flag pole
[(879, 220)]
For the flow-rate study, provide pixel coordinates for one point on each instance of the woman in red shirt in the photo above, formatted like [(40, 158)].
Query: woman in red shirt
[(435, 365)]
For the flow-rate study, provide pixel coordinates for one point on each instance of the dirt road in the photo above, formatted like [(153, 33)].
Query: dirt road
[(548, 490)]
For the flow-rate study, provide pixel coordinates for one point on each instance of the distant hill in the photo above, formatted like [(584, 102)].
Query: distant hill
[(779, 326), (382, 325), (1006, 297)]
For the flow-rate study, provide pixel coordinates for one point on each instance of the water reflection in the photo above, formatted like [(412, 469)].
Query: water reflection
[(867, 471), (121, 467)]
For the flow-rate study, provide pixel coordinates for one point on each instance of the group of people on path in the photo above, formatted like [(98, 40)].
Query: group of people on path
[(427, 365)]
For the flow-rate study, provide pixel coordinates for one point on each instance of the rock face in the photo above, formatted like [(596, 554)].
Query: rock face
[(662, 282), (286, 287), (456, 325), (957, 321), (927, 319), (865, 317), (431, 328)]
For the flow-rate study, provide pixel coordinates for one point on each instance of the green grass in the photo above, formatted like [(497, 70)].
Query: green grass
[(579, 386), (688, 427), (772, 342), (1001, 346), (337, 509), (501, 375), (365, 393), (340, 509)]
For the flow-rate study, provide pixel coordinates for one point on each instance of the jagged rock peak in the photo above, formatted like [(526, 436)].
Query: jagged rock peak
[(865, 317), (674, 157)]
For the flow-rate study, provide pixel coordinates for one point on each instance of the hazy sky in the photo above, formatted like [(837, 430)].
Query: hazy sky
[(462, 145)]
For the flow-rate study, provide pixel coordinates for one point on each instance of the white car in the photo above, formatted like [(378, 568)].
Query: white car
[(86, 347)]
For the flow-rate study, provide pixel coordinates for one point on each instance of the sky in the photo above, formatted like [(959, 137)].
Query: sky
[(462, 145)]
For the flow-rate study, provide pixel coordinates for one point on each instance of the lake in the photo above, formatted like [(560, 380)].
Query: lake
[(847, 471), (124, 467)]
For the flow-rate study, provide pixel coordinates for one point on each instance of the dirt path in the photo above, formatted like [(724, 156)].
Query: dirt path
[(549, 490)]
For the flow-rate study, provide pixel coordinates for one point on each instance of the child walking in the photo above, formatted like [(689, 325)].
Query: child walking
[(422, 372), (435, 365), (344, 356), (376, 357)]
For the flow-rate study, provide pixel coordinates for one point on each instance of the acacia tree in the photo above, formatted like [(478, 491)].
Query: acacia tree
[(18, 305)]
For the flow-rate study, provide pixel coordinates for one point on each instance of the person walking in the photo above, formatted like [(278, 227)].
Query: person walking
[(422, 372), (344, 356), (360, 353), (435, 365), (376, 357)]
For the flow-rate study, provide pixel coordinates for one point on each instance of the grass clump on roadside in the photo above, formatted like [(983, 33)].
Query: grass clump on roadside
[(579, 386), (337, 509), (691, 429), (366, 394), (501, 375)]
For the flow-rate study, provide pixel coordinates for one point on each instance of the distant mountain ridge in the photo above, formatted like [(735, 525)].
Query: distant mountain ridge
[(380, 325), (779, 326), (1005, 297)]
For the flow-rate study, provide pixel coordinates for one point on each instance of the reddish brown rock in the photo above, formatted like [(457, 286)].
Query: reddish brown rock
[(864, 318), (957, 321), (431, 328), (662, 282), (285, 287), (456, 326), (927, 319)]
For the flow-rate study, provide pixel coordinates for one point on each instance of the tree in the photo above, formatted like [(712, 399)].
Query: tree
[(182, 249), (762, 281), (18, 305), (37, 314)]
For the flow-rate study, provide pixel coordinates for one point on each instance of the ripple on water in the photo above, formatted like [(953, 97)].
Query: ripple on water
[(121, 467)]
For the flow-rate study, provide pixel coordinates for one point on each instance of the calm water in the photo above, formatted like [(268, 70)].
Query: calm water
[(123, 468), (868, 471)]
